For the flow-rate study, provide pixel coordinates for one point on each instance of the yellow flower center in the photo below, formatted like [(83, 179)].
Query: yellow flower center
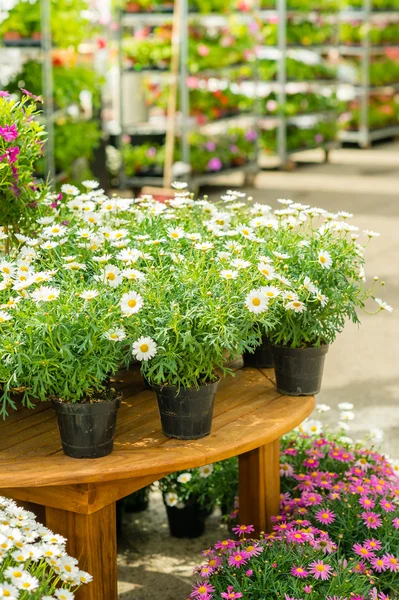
[(265, 271), (144, 348), (55, 230), (201, 590), (132, 303), (51, 296), (111, 276), (175, 235), (238, 557), (256, 301), (113, 336), (322, 259), (325, 515), (320, 568), (17, 574)]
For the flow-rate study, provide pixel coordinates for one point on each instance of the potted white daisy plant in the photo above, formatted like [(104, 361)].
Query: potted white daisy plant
[(316, 281)]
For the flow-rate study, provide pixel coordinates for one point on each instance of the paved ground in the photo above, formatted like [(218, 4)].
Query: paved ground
[(361, 367)]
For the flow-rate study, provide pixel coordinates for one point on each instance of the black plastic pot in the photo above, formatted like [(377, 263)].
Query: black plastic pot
[(186, 414), (138, 501), (186, 522), (261, 358), (87, 430), (299, 371)]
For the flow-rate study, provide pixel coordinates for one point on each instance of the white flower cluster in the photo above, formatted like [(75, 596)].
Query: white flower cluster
[(33, 559)]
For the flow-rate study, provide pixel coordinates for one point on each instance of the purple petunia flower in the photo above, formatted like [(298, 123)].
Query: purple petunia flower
[(210, 146), (251, 135), (9, 132), (215, 164)]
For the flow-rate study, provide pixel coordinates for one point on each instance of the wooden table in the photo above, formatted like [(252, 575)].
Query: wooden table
[(76, 498)]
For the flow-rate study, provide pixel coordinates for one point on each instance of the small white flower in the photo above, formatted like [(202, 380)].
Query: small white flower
[(184, 477), (345, 215), (309, 285), (228, 274), (347, 415), (90, 184), (69, 190), (267, 270), (245, 231), (84, 577), (26, 582), (223, 256), (371, 234), (112, 276), (383, 305), (89, 294), (7, 268), (171, 499), (281, 255), (284, 201), (45, 294), (296, 305), (205, 471), (256, 302), (144, 348), (131, 303), (133, 275), (290, 296), (75, 266), (323, 408), (49, 245), (322, 299), (312, 427), (179, 185), (324, 259), (239, 264), (115, 335), (376, 434), (344, 426), (345, 406), (176, 233), (270, 291), (61, 594), (344, 439), (4, 316), (203, 246), (9, 591)]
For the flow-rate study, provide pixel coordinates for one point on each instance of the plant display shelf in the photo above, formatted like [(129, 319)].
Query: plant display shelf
[(365, 135), (77, 498), (42, 49), (186, 124)]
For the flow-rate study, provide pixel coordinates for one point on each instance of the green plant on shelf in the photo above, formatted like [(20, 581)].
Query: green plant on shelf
[(68, 23), (201, 6), (383, 111), (69, 82), (375, 4), (297, 70), (300, 138), (300, 103), (326, 6), (143, 159), (382, 34), (315, 32)]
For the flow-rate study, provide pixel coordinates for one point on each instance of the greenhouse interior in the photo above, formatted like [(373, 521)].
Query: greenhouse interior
[(199, 392)]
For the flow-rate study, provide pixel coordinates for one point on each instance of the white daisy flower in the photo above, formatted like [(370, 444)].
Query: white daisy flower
[(295, 305), (322, 299), (75, 266), (270, 291), (84, 577), (223, 256), (115, 335), (370, 233), (90, 184), (193, 237), (345, 406), (312, 427), (133, 274), (284, 201), (108, 206), (7, 268), (4, 316), (376, 434), (324, 259), (228, 274), (62, 594), (205, 471), (256, 302), (309, 286), (70, 190), (89, 294), (176, 233), (267, 270), (239, 264), (52, 231), (290, 296), (11, 302), (204, 246), (131, 303), (112, 276), (245, 231), (49, 245), (45, 294), (11, 592), (323, 408), (344, 439), (344, 426), (144, 348), (281, 255), (347, 415), (179, 185), (184, 477), (102, 259), (171, 499), (383, 305)]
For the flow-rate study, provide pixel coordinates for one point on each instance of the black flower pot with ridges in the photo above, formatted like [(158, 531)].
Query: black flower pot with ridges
[(186, 522), (186, 414), (87, 430), (299, 371), (261, 358)]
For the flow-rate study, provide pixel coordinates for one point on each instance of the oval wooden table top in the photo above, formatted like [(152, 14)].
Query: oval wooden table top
[(249, 413)]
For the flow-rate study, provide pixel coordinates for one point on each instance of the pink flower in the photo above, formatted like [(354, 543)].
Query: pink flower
[(387, 506), (286, 470), (311, 463), (230, 594), (391, 562), (30, 95), (202, 590), (298, 537), (311, 499), (254, 550), (366, 502), (378, 564), (206, 570), (372, 520), (225, 545), (243, 529), (325, 516), (363, 551), (214, 562), (249, 573), (299, 572), (308, 589), (9, 132), (373, 544), (4, 94), (202, 50), (238, 558), (215, 164), (320, 570), (395, 523)]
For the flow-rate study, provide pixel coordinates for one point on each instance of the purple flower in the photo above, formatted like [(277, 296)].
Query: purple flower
[(65, 223), (251, 135), (234, 149), (319, 138), (54, 204), (30, 95), (9, 133), (4, 94), (13, 154), (210, 146), (215, 164), (151, 152)]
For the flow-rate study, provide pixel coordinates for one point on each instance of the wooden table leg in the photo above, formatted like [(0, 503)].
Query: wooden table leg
[(259, 486), (92, 540)]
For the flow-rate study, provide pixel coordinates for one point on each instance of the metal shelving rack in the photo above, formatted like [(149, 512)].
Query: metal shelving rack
[(285, 86), (185, 124), (43, 49), (364, 136)]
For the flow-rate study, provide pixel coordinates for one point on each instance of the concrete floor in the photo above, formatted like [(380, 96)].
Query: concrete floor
[(361, 366)]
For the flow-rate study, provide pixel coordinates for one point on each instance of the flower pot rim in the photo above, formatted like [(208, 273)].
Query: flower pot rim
[(118, 394), (160, 387)]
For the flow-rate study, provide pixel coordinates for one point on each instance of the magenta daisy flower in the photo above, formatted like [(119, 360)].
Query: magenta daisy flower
[(387, 506), (299, 572), (254, 550), (238, 558), (311, 499), (249, 573), (243, 529), (225, 545), (366, 502), (206, 570), (214, 562), (202, 589), (378, 564), (325, 516), (320, 570), (308, 589), (395, 523), (231, 594), (391, 562), (361, 567), (286, 470), (298, 537), (373, 544), (372, 520), (362, 551)]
